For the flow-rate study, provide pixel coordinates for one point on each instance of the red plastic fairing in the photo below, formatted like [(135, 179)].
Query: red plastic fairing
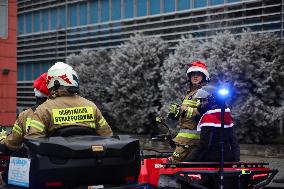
[(152, 168)]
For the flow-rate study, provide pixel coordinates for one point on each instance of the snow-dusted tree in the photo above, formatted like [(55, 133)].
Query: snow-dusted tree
[(259, 86), (251, 64), (135, 70), (93, 71)]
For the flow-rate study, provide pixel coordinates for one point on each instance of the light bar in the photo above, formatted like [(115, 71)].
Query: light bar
[(259, 176), (194, 176)]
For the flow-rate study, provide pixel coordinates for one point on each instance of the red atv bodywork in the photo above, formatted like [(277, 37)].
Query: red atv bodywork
[(152, 168)]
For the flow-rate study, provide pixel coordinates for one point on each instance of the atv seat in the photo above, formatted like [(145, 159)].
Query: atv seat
[(73, 130)]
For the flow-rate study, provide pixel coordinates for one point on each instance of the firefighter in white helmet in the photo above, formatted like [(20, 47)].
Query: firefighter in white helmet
[(187, 114), (65, 107)]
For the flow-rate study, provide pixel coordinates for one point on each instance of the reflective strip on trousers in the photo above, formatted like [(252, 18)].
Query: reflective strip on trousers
[(187, 133), (17, 129), (38, 125)]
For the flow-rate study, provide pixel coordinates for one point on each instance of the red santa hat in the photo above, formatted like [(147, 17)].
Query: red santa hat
[(198, 66), (40, 87)]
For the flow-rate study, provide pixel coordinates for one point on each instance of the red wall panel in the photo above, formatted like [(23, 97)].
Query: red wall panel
[(8, 59)]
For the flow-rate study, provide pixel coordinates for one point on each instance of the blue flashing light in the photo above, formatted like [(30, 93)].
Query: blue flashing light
[(223, 92)]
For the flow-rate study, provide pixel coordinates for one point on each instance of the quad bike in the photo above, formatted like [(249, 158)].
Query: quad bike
[(158, 172), (88, 161), (74, 157)]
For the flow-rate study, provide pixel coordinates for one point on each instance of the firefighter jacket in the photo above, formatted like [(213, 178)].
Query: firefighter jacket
[(65, 111), (210, 126), (14, 140), (188, 120)]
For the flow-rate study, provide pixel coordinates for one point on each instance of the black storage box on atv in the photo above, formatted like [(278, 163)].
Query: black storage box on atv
[(82, 160)]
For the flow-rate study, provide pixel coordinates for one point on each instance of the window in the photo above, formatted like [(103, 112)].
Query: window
[(53, 18), (62, 17), (20, 24), (128, 8), (20, 72), (116, 10), (217, 2), (36, 21), (94, 11), (155, 6), (37, 70), (104, 11), (169, 5), (44, 20), (141, 8), (183, 4), (200, 3), (28, 71), (3, 18), (73, 15), (28, 23), (83, 13)]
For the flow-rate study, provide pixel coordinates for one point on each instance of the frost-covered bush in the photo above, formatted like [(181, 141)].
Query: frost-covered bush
[(251, 63), (136, 72), (259, 86)]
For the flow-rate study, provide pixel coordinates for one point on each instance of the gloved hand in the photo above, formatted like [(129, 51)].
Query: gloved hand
[(159, 119), (3, 134), (174, 111)]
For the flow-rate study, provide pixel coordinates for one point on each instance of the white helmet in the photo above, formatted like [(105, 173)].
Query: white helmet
[(64, 74), (198, 66)]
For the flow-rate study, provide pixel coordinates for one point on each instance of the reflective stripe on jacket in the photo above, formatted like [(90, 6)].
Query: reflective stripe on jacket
[(15, 139), (188, 111)]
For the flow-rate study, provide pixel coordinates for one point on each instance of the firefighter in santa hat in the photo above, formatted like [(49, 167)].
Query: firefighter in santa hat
[(13, 141), (187, 114), (210, 128), (65, 107)]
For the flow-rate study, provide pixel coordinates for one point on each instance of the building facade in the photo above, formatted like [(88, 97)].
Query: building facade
[(50, 30), (8, 61)]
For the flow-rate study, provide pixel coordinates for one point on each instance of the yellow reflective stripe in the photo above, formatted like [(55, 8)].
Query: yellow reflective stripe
[(17, 129), (38, 125), (186, 102), (102, 122), (192, 103), (189, 112), (28, 121), (189, 135), (93, 125)]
